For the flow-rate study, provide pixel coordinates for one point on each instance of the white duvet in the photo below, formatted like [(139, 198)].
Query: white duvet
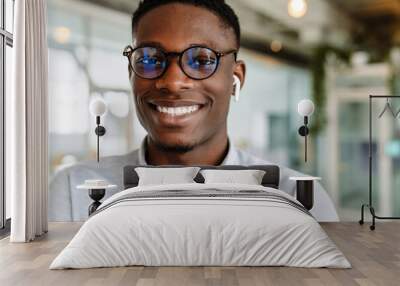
[(207, 230)]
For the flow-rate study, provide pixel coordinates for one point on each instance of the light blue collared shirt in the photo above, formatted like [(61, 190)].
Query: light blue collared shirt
[(67, 203)]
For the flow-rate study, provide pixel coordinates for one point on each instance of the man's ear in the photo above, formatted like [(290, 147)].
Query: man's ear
[(240, 71)]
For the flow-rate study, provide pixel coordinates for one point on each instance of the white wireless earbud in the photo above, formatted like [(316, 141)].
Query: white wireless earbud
[(236, 84)]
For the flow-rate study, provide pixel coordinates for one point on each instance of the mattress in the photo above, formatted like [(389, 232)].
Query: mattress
[(201, 225)]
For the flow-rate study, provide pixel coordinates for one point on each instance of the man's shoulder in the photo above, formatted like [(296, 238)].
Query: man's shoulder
[(114, 161), (106, 163), (246, 158)]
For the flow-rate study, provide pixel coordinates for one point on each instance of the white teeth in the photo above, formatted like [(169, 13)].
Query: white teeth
[(177, 110)]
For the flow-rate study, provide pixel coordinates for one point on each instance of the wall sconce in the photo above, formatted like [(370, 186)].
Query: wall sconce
[(97, 108), (305, 108)]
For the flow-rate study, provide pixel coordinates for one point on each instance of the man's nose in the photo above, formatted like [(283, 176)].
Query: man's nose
[(174, 80)]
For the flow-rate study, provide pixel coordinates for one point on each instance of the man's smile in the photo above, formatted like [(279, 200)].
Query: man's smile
[(176, 113)]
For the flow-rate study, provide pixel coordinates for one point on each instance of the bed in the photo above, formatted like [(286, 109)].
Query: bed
[(201, 224)]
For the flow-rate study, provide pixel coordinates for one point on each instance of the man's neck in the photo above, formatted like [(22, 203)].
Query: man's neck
[(211, 152)]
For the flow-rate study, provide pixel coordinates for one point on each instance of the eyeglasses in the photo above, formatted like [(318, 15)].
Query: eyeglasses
[(197, 62)]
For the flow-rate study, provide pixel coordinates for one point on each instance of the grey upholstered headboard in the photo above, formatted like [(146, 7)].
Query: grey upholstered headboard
[(270, 179)]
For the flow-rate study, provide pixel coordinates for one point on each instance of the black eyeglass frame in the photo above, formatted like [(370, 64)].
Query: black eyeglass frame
[(129, 50)]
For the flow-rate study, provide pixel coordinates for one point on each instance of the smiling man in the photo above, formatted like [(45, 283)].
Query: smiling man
[(182, 65), (182, 76)]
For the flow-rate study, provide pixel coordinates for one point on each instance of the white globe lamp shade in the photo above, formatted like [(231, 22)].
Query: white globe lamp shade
[(305, 107), (97, 107)]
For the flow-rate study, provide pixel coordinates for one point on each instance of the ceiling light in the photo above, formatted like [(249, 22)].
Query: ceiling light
[(297, 8), (276, 46), (62, 35)]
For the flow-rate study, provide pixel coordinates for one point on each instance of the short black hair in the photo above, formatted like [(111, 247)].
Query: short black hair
[(218, 7)]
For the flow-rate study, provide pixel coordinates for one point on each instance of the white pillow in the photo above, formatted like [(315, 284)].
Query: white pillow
[(248, 177), (162, 176)]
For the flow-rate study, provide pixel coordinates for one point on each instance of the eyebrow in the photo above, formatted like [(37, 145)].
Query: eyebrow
[(159, 45)]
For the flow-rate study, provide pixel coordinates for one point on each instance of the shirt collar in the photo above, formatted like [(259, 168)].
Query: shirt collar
[(231, 157)]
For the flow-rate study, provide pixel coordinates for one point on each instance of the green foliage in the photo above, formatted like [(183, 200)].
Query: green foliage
[(318, 89)]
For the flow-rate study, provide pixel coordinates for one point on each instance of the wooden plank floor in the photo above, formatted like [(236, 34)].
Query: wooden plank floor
[(374, 255)]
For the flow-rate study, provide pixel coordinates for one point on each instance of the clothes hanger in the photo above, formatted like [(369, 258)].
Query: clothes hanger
[(388, 106), (398, 112)]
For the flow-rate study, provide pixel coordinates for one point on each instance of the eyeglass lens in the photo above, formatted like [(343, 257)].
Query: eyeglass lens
[(196, 62)]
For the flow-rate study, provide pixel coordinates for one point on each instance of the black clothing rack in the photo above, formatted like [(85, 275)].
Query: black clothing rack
[(369, 205)]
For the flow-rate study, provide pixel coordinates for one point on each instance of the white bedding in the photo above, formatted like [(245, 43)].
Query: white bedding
[(185, 230)]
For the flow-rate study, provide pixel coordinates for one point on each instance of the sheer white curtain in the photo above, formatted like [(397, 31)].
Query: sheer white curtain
[(26, 123)]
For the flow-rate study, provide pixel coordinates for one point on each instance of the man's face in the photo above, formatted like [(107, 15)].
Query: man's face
[(175, 27)]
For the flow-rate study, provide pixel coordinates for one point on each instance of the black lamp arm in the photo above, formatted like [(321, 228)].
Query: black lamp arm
[(100, 131), (304, 131)]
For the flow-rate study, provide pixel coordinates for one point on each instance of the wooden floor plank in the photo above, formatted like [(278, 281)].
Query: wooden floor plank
[(374, 255)]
